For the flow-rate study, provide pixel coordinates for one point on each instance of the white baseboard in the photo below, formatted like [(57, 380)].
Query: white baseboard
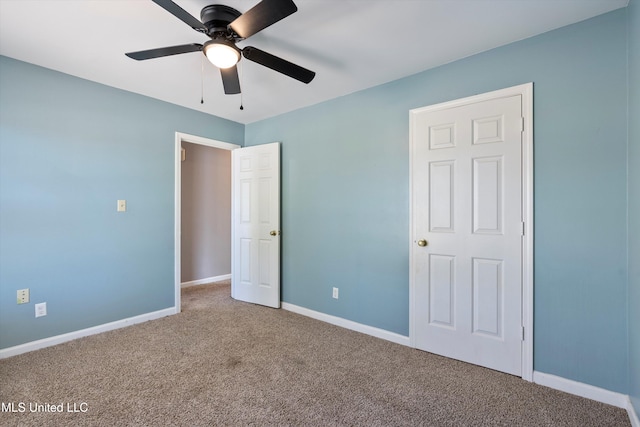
[(348, 324), (59, 339), (633, 415), (581, 389), (206, 280)]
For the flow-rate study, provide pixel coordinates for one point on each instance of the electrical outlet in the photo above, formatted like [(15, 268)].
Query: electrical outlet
[(41, 309), (335, 293), (23, 296)]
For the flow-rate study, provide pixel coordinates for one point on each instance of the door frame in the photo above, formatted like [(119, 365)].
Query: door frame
[(179, 139), (526, 91)]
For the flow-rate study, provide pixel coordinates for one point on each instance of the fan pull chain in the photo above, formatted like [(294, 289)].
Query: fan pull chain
[(202, 81), (241, 74)]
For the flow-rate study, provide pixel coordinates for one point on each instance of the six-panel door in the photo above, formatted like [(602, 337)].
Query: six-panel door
[(467, 205), (256, 224)]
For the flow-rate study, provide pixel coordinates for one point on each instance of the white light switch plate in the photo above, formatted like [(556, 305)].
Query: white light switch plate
[(41, 309), (122, 205)]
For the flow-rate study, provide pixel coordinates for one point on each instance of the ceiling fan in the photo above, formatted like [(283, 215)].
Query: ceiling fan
[(226, 26)]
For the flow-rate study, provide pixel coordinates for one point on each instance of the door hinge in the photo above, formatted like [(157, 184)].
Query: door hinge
[(521, 124), (523, 228), (523, 333)]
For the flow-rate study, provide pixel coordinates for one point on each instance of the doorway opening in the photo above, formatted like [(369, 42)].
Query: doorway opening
[(189, 240)]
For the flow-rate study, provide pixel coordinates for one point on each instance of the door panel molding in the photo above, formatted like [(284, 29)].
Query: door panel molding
[(488, 130)]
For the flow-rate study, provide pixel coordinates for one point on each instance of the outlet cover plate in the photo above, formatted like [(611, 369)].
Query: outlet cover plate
[(23, 296)]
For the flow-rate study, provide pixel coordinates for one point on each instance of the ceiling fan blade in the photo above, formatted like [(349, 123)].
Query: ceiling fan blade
[(262, 15), (164, 51), (230, 80), (278, 64), (181, 14)]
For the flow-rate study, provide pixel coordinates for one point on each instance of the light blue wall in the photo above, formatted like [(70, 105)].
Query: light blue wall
[(69, 148), (346, 201), (634, 203)]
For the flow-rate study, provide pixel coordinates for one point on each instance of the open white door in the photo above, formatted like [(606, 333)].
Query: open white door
[(255, 259)]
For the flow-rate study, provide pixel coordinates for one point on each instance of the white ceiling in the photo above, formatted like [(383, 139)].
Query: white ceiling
[(351, 44)]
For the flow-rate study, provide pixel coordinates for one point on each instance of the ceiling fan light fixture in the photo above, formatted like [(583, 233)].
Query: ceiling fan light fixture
[(221, 53), (226, 26)]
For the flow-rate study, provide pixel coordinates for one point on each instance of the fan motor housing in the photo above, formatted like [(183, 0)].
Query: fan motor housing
[(217, 17)]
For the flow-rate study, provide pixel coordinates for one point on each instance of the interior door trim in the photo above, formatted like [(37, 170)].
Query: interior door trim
[(526, 91)]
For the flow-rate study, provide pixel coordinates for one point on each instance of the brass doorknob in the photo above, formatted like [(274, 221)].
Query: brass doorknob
[(422, 242), (273, 233)]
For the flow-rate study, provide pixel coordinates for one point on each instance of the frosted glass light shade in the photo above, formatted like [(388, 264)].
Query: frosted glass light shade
[(221, 54)]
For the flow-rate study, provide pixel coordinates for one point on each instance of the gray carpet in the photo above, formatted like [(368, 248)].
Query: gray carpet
[(227, 363)]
